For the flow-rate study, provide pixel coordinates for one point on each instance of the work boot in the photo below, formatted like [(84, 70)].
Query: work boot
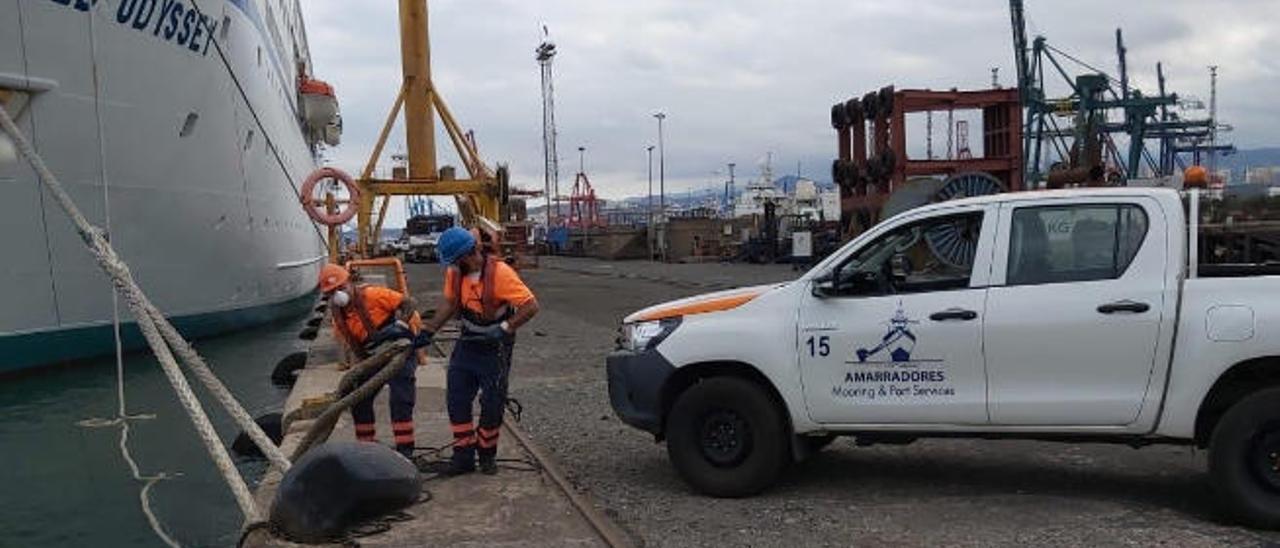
[(488, 465), (406, 451)]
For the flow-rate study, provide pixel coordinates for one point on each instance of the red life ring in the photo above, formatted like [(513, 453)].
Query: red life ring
[(316, 207)]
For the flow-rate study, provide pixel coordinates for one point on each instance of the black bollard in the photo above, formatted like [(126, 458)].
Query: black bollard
[(340, 484), (270, 424), (315, 322), (309, 333), (286, 371)]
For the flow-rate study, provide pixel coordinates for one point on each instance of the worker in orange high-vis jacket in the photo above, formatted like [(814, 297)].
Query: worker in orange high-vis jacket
[(493, 303), (363, 317)]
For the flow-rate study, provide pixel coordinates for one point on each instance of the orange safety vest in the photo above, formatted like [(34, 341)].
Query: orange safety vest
[(488, 299), (359, 307)]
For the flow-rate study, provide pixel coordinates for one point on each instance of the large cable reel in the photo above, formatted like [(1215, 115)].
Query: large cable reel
[(968, 185), (953, 243), (956, 242)]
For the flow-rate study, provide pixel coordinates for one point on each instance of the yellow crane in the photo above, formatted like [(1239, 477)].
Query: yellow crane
[(481, 196)]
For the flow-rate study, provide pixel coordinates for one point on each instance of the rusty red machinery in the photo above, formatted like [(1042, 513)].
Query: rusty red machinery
[(584, 207), (873, 164)]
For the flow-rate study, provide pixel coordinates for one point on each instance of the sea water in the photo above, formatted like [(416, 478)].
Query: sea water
[(62, 484)]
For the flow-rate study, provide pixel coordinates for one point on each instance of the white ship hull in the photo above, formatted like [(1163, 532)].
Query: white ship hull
[(186, 148)]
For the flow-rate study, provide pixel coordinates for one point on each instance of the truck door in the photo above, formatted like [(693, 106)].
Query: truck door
[(1074, 311), (892, 334)]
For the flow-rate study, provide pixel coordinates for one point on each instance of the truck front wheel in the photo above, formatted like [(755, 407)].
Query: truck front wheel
[(726, 438), (1244, 458)]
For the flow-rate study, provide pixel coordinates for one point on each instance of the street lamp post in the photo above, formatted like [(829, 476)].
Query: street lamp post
[(662, 184), (649, 224), (662, 167)]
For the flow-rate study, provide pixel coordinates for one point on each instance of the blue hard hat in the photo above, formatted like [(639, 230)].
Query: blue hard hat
[(454, 243)]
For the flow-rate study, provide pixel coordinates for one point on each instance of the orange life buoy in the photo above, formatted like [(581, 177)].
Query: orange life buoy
[(318, 209)]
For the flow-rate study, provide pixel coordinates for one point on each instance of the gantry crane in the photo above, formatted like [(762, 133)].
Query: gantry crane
[(1080, 149)]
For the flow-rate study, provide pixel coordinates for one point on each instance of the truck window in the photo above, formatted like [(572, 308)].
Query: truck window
[(931, 255), (1238, 232), (1074, 243)]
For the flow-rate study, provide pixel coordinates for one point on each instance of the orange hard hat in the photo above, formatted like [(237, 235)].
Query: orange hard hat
[(332, 277)]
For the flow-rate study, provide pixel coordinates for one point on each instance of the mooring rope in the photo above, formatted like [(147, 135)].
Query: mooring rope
[(149, 323), (385, 365), (224, 396)]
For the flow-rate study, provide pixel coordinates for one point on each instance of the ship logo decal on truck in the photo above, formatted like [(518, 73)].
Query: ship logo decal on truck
[(897, 344), (890, 368)]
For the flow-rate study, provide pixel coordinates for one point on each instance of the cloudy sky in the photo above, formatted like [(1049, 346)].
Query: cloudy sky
[(742, 78)]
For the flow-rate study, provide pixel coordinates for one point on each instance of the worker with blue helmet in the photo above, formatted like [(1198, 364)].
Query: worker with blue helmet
[(453, 244), (492, 302)]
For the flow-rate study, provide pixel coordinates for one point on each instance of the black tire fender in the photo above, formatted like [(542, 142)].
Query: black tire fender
[(286, 370), (885, 101), (839, 119), (271, 425), (853, 110), (870, 105)]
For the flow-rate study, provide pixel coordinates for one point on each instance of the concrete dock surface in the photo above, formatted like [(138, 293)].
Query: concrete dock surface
[(520, 506)]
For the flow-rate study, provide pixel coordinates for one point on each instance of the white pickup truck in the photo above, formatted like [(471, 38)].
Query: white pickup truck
[(1052, 315)]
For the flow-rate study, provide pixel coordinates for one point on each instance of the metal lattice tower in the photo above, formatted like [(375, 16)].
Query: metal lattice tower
[(1213, 119), (545, 54)]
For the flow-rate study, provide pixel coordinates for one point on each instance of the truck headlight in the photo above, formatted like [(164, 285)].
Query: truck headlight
[(641, 336)]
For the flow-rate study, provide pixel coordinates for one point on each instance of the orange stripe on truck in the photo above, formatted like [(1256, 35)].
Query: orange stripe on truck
[(699, 307)]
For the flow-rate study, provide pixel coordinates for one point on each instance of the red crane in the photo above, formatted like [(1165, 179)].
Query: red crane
[(584, 207)]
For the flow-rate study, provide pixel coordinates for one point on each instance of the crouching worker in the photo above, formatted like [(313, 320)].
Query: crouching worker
[(364, 317), (493, 303)]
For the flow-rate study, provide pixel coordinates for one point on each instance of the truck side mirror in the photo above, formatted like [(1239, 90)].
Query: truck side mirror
[(823, 286)]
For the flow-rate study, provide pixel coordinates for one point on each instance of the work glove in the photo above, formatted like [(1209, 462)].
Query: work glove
[(396, 331), (423, 339), (492, 333)]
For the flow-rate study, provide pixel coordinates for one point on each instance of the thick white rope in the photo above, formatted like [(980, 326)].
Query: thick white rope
[(141, 308), (224, 396)]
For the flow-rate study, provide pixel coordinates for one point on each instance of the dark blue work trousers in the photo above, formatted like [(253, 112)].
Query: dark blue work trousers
[(477, 368), (403, 394)]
